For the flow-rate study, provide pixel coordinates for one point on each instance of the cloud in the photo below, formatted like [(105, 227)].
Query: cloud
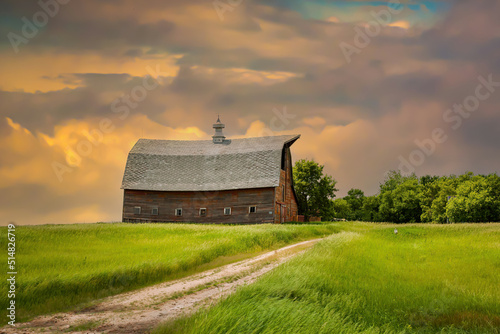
[(400, 24), (89, 190), (314, 121), (355, 118)]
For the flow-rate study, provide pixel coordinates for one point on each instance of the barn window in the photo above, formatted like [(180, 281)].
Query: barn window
[(283, 192), (203, 212), (252, 209), (178, 212), (137, 210), (227, 211), (154, 211)]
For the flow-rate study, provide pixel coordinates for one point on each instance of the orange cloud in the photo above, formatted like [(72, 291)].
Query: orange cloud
[(35, 71), (400, 24), (243, 75), (97, 173)]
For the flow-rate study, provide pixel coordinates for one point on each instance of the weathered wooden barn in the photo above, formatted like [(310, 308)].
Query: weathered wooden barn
[(244, 181)]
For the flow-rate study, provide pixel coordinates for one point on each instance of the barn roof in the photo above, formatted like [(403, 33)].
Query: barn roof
[(201, 165)]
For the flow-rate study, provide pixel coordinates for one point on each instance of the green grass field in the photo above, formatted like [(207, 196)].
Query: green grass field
[(62, 266), (366, 279)]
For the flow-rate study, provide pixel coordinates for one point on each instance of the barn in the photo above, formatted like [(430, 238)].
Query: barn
[(241, 181)]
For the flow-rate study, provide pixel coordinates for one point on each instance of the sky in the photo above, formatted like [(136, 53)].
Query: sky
[(371, 86)]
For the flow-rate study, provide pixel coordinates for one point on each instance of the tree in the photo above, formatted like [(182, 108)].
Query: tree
[(477, 200), (314, 189), (371, 205), (341, 209), (392, 180), (355, 198), (408, 198), (434, 196), (400, 199)]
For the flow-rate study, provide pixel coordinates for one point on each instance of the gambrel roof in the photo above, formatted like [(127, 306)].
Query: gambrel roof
[(202, 165)]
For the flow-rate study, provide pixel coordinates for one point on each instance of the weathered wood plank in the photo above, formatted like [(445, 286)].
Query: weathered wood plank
[(286, 208), (214, 201)]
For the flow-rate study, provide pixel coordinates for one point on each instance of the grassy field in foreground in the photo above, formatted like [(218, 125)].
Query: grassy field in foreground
[(425, 279), (62, 266)]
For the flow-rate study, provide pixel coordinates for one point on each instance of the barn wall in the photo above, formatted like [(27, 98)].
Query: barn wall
[(214, 201), (287, 205)]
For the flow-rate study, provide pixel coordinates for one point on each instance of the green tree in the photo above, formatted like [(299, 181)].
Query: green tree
[(434, 197), (392, 180), (400, 199), (477, 200), (371, 205), (355, 198), (314, 189), (341, 209)]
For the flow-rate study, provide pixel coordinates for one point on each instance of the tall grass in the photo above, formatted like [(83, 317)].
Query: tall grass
[(425, 279), (61, 266)]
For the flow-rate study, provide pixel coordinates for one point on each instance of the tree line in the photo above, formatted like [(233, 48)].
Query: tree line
[(401, 198)]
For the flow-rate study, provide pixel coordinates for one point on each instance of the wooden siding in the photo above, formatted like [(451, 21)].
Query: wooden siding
[(286, 208), (214, 201)]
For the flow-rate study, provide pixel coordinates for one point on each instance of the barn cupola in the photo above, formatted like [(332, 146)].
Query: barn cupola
[(219, 137)]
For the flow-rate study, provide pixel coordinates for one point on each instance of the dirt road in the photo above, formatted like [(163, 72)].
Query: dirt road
[(141, 310)]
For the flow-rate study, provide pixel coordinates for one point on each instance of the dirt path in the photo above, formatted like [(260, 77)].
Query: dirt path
[(141, 310)]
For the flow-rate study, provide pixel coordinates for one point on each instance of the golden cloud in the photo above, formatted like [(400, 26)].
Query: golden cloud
[(35, 71)]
